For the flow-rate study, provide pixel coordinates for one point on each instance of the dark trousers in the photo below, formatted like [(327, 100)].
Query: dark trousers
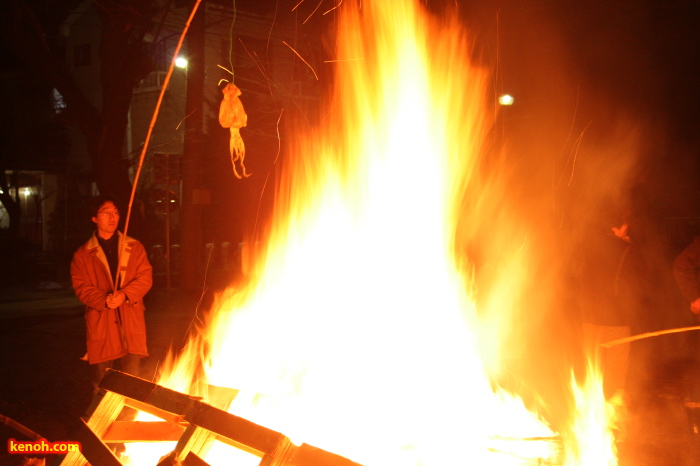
[(130, 363), (692, 403)]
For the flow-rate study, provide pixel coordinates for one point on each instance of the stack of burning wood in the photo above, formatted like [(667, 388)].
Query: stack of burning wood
[(187, 420)]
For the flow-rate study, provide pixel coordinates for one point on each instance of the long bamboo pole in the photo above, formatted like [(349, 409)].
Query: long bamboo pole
[(648, 335), (154, 118)]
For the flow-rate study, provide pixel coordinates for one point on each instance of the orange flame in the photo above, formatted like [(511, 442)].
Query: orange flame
[(595, 421), (359, 331)]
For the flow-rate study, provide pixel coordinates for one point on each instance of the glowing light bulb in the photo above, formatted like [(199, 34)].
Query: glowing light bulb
[(506, 99)]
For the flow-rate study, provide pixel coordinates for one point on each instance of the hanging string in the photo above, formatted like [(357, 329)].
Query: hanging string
[(230, 42)]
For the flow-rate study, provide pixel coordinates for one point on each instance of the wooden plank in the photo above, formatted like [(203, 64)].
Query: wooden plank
[(236, 428), (239, 446), (282, 455), (195, 440), (190, 460), (221, 397), (308, 455), (104, 409), (147, 392), (193, 460), (150, 409), (73, 458), (199, 440), (92, 447), (196, 445), (126, 384), (106, 412), (143, 431), (169, 460)]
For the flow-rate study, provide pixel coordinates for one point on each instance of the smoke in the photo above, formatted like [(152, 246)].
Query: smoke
[(585, 147)]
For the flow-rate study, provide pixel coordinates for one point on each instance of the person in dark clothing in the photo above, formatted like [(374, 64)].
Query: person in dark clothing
[(686, 271), (612, 293)]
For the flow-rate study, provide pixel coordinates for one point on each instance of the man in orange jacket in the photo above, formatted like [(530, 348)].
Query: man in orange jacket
[(111, 275)]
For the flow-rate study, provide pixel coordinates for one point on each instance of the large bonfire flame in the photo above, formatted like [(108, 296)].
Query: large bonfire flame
[(359, 331)]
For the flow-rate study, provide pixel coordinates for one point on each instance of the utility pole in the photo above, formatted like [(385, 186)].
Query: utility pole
[(193, 197)]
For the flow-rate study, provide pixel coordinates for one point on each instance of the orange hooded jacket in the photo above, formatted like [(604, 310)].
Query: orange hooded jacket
[(112, 333)]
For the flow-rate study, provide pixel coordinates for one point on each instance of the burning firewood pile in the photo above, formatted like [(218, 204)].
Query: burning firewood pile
[(187, 420)]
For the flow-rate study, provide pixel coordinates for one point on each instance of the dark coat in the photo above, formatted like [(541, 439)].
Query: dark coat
[(686, 270), (112, 333), (612, 280)]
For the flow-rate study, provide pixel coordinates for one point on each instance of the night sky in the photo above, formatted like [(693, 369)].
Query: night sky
[(644, 53), (578, 66), (587, 65)]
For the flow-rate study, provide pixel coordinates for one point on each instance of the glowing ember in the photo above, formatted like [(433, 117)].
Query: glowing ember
[(359, 332)]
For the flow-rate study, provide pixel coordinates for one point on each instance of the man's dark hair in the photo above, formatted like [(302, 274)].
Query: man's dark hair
[(99, 201)]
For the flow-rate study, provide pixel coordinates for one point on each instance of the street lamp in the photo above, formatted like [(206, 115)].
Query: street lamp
[(506, 99)]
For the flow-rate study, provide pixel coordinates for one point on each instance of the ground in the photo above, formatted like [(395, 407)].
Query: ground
[(44, 384)]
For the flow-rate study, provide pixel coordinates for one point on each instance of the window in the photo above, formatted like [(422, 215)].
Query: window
[(57, 99)]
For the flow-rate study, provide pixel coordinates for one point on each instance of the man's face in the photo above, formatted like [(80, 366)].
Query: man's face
[(107, 220)]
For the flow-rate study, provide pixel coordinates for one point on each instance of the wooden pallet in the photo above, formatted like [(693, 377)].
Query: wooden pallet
[(192, 423)]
